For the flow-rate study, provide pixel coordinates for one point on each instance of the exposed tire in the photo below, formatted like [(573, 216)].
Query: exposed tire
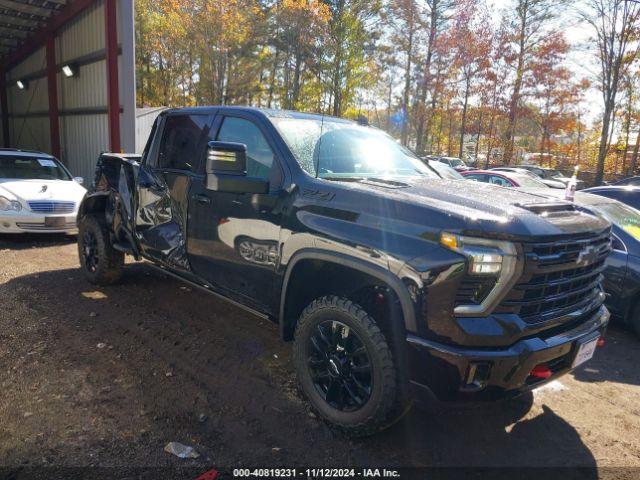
[(335, 341), (101, 263)]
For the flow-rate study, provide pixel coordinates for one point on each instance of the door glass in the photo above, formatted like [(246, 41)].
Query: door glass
[(183, 141), (477, 178), (499, 181), (259, 153)]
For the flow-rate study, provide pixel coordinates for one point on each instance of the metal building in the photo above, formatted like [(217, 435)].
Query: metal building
[(67, 78)]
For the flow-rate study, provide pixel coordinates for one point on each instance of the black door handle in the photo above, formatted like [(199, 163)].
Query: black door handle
[(201, 198)]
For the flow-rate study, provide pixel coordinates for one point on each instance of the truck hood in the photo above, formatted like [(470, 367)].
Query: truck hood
[(27, 190), (474, 207)]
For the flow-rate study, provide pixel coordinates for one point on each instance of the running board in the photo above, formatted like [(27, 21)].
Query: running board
[(207, 289)]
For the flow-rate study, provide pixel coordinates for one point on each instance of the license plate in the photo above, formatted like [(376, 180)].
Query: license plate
[(55, 222), (585, 353)]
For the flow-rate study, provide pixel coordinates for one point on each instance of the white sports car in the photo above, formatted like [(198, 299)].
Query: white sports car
[(37, 193)]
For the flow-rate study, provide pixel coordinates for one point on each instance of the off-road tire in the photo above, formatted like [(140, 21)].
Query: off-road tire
[(109, 261), (378, 412)]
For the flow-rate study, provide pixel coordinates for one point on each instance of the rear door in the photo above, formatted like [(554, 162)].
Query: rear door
[(163, 186), (234, 238)]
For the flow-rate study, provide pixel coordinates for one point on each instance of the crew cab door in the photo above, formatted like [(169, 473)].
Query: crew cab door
[(163, 184), (233, 239)]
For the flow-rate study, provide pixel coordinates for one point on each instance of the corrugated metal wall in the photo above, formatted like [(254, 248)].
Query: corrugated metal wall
[(83, 137), (29, 131), (82, 100)]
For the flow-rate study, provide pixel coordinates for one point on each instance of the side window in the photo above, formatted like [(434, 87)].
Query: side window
[(259, 153), (183, 141), (477, 178), (495, 180)]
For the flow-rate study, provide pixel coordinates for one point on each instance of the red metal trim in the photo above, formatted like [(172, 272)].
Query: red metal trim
[(4, 105), (58, 20), (52, 84), (113, 93)]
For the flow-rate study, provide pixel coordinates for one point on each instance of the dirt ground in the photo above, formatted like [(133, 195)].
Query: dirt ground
[(106, 377)]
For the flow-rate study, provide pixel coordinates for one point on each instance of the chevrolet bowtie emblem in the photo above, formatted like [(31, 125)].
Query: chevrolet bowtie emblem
[(587, 256)]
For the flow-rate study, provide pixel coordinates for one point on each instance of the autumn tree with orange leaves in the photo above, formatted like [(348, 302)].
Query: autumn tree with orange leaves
[(443, 76)]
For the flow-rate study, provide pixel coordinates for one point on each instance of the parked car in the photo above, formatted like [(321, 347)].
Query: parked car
[(622, 268), (551, 174), (445, 171), (628, 195), (37, 193), (392, 282), (523, 171), (628, 182), (504, 179), (455, 163)]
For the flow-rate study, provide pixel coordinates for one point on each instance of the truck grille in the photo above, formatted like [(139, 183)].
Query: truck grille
[(51, 207), (559, 278)]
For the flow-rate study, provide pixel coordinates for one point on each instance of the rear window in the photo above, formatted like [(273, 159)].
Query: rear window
[(32, 168)]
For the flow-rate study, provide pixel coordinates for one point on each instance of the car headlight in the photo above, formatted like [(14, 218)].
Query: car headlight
[(7, 205), (486, 257)]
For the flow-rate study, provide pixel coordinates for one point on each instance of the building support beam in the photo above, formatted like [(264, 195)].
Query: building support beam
[(52, 86), (4, 106), (113, 91)]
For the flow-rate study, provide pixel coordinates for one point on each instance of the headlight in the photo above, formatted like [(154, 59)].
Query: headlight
[(7, 205), (486, 258)]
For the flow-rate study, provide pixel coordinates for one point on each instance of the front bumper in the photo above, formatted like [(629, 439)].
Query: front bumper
[(451, 373), (28, 222)]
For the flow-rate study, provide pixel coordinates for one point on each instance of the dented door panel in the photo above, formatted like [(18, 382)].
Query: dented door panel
[(161, 216)]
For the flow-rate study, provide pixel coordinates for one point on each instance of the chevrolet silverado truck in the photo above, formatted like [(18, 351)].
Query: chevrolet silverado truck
[(392, 283)]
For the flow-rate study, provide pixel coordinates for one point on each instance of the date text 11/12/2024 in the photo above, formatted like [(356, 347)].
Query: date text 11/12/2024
[(316, 473)]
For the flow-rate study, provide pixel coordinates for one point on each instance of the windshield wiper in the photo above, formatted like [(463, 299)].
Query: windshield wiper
[(343, 179)]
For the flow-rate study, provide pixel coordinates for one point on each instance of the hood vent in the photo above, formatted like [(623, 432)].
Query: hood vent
[(549, 209)]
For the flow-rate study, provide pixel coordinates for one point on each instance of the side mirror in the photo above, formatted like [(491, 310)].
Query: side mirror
[(79, 180), (227, 169), (226, 157)]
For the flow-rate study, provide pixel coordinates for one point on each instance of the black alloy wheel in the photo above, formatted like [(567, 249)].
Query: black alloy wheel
[(340, 366)]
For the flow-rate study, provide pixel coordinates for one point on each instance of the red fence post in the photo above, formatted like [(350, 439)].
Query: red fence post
[(113, 93), (52, 88)]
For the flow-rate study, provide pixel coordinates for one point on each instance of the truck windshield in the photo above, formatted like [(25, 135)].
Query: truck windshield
[(336, 150), (31, 168)]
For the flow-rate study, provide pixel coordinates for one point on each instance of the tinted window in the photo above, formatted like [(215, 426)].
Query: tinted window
[(495, 180), (183, 141), (259, 153)]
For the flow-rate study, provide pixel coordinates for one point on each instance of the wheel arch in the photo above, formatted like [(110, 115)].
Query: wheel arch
[(92, 203), (289, 310)]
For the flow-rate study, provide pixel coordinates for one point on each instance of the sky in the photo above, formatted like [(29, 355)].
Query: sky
[(581, 60)]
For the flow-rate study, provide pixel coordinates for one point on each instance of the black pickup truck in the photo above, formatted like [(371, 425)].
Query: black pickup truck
[(392, 283)]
